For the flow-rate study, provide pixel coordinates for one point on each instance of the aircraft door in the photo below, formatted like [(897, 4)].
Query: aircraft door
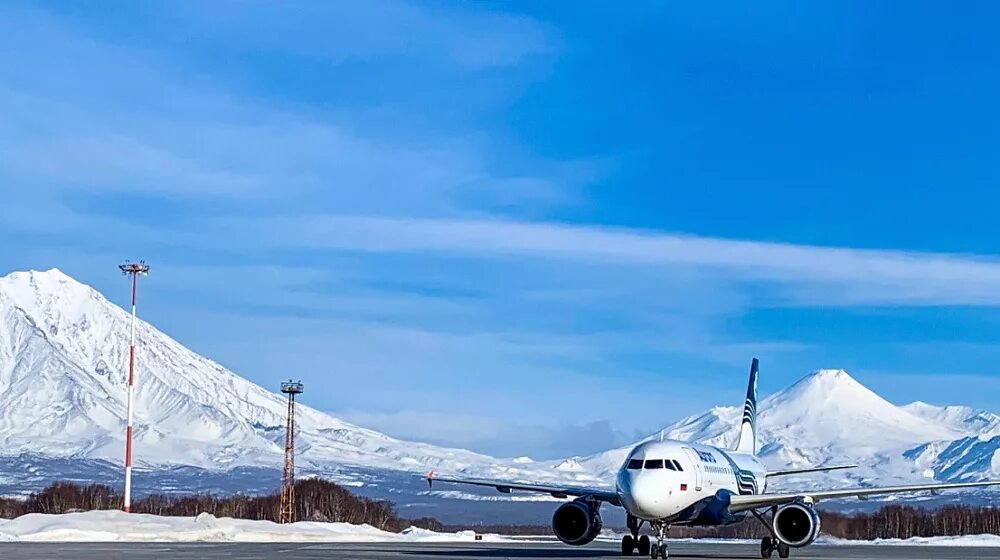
[(698, 468)]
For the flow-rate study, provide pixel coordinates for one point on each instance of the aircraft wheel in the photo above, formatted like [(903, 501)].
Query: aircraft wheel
[(766, 547), (643, 545), (664, 552), (783, 550), (628, 545)]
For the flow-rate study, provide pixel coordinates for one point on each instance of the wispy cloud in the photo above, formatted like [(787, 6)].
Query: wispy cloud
[(102, 117), (800, 274), (423, 32)]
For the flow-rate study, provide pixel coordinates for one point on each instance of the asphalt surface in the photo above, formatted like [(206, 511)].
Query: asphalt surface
[(378, 551)]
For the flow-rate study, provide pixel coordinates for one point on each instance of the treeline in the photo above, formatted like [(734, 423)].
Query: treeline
[(321, 500), (315, 500), (890, 522), (902, 522)]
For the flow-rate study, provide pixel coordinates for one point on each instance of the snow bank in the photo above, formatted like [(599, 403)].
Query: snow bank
[(964, 540), (109, 526), (105, 526)]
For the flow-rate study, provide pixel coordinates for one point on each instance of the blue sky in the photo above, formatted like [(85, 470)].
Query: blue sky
[(520, 227)]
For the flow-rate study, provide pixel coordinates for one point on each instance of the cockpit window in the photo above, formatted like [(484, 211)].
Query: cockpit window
[(668, 464)]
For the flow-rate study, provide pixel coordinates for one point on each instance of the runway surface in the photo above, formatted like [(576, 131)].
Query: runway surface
[(379, 551)]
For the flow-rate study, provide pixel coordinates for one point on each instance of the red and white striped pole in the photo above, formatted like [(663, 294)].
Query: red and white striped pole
[(133, 270)]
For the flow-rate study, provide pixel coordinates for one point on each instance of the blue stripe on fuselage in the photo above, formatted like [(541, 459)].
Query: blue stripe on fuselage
[(709, 512)]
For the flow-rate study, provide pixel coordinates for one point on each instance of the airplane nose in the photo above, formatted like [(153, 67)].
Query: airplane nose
[(650, 496)]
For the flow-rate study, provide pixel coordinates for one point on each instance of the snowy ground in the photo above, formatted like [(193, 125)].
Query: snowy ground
[(109, 526), (112, 526), (964, 540)]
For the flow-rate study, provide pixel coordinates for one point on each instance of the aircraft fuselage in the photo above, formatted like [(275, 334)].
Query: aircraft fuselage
[(686, 483)]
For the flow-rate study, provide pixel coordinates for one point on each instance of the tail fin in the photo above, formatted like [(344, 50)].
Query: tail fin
[(748, 428)]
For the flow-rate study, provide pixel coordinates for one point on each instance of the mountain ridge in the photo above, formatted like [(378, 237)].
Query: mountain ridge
[(828, 418), (63, 350)]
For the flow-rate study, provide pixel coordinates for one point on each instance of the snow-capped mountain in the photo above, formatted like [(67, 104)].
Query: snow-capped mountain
[(63, 351), (959, 418), (829, 418)]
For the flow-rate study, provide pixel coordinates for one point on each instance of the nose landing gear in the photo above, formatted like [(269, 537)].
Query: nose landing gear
[(660, 549), (635, 543)]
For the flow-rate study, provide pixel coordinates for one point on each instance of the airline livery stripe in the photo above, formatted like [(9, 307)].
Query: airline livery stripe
[(749, 411), (746, 482)]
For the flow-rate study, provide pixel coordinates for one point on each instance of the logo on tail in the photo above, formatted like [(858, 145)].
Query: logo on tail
[(748, 428)]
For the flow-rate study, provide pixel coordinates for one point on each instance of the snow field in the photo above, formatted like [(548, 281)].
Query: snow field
[(115, 526)]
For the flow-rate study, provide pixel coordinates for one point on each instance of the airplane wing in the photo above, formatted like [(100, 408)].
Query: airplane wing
[(602, 494), (744, 502), (810, 470)]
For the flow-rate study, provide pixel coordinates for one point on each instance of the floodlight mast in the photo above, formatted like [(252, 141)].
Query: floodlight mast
[(286, 511), (133, 271)]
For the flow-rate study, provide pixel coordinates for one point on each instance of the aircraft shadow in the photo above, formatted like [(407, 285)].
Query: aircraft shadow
[(511, 553), (542, 553)]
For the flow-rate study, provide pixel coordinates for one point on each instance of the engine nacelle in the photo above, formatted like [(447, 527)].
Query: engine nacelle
[(578, 522), (796, 524)]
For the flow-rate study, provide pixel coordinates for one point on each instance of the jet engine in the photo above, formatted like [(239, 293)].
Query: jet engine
[(796, 524), (578, 522)]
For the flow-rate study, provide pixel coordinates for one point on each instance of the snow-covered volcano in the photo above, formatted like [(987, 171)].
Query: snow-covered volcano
[(63, 350), (64, 347), (829, 418)]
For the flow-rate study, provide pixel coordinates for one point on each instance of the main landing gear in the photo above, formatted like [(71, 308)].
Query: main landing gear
[(769, 545), (643, 545), (634, 543)]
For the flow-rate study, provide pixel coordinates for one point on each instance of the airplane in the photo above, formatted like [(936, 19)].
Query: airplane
[(668, 482)]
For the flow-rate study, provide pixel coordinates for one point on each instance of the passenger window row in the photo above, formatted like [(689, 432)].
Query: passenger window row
[(669, 464)]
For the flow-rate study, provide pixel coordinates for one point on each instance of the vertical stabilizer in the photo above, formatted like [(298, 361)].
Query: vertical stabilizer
[(748, 428)]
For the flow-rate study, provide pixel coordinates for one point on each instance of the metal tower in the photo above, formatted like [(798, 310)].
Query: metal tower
[(133, 270), (287, 512)]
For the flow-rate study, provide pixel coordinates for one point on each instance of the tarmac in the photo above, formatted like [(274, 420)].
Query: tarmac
[(466, 551)]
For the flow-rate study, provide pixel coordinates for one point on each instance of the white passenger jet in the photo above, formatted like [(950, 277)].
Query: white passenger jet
[(670, 482)]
